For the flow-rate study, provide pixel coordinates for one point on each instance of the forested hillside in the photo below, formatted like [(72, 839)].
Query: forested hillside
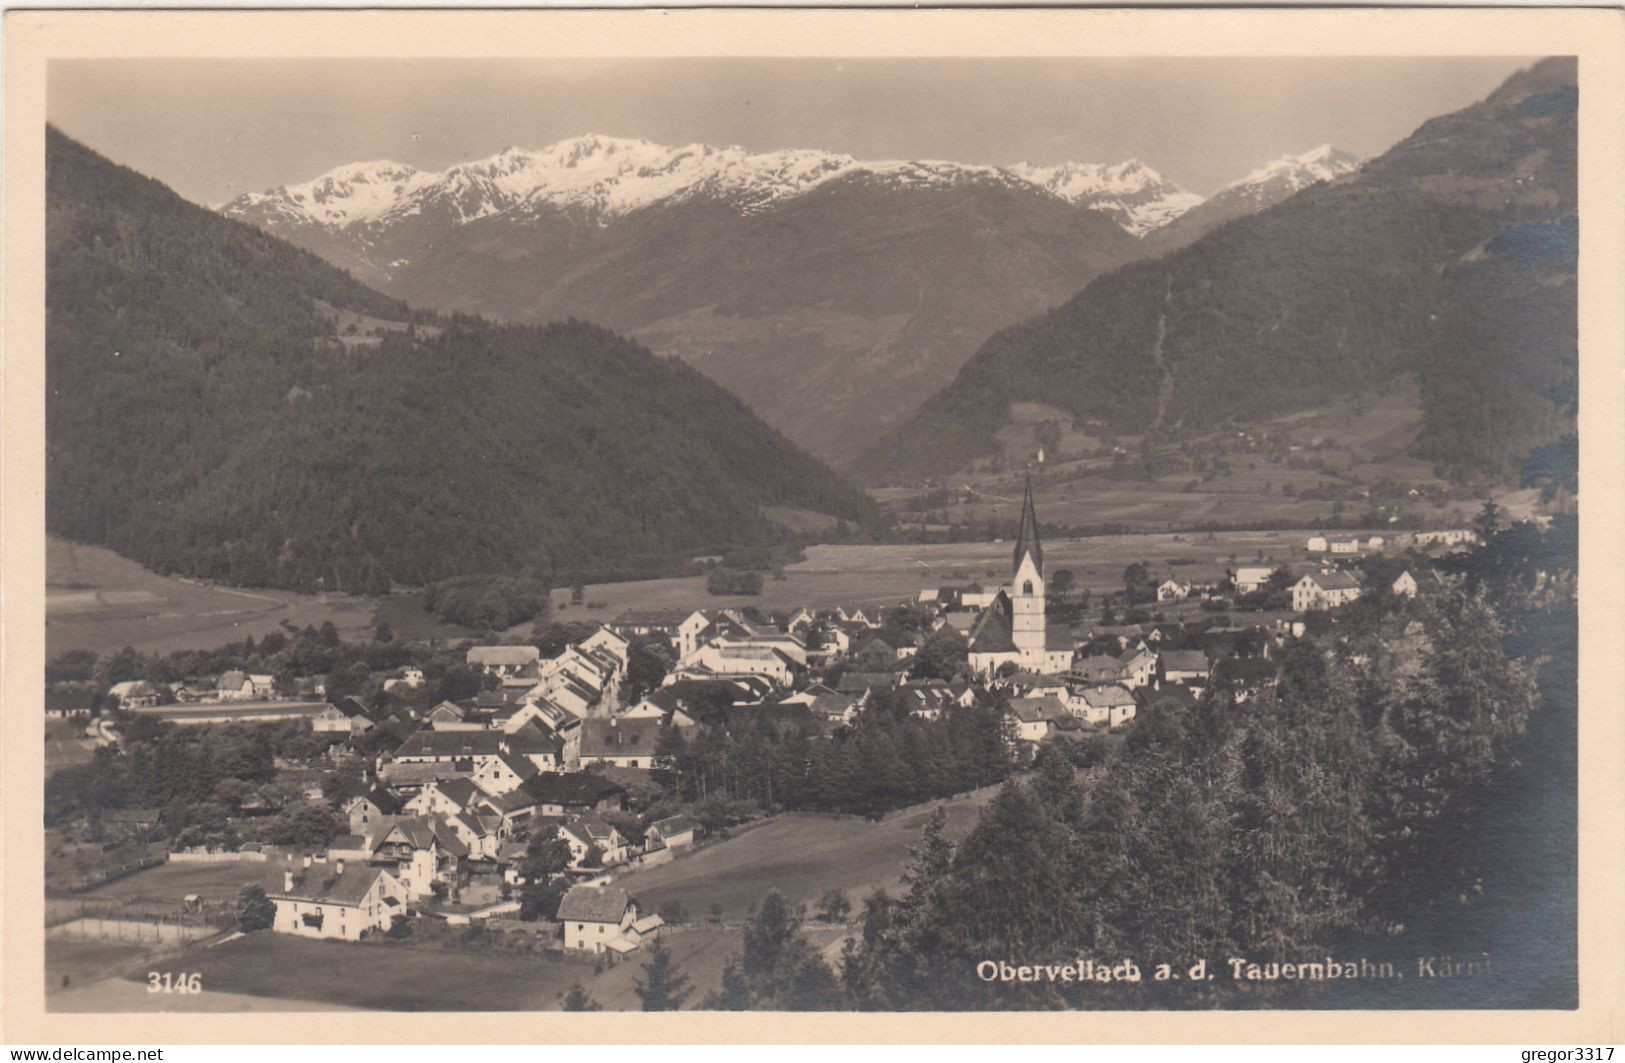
[(224, 405), (1452, 256)]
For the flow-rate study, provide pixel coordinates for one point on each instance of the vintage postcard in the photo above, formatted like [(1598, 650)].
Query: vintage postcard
[(1031, 517)]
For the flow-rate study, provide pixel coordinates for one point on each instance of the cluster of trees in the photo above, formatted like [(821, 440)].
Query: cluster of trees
[(213, 786), (1258, 316), (488, 603), (461, 448), (885, 758)]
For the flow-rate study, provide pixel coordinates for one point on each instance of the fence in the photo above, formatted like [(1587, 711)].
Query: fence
[(156, 932), (214, 856)]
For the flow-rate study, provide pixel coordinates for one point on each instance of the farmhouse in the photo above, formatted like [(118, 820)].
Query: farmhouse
[(1250, 578), (1185, 666), (341, 904), (234, 686), (594, 917), (1173, 590), (1324, 590), (503, 660), (1405, 585)]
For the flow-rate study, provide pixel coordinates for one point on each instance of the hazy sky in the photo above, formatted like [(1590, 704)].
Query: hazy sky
[(214, 129)]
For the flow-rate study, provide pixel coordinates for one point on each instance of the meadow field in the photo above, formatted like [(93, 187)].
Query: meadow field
[(171, 883), (97, 600), (800, 856)]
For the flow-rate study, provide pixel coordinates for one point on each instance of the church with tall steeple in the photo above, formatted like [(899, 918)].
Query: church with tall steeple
[(1013, 627)]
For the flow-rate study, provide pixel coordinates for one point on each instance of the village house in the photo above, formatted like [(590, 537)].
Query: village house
[(588, 832), (1097, 668), (1173, 590), (1250, 578), (597, 917), (134, 694), (340, 904), (1346, 547), (417, 850), (619, 742), (1187, 667), (365, 806), (445, 797), (1405, 585), (503, 660), (1317, 544), (1136, 667), (564, 794), (673, 832), (1324, 590), (1110, 705), (334, 720), (234, 686), (1034, 716), (503, 773), (636, 623), (1450, 537)]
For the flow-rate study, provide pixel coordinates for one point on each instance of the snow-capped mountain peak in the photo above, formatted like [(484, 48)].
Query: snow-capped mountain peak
[(1139, 197), (607, 176), (356, 191), (1300, 171)]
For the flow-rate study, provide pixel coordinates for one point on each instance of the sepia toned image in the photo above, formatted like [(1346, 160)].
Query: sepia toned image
[(747, 533)]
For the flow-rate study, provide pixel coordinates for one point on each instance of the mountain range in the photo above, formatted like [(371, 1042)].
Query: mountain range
[(223, 405), (1450, 258), (832, 294)]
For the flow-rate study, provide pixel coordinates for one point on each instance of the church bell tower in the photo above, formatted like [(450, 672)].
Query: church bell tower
[(1027, 581)]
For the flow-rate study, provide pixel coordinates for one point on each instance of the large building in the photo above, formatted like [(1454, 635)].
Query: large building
[(1013, 628)]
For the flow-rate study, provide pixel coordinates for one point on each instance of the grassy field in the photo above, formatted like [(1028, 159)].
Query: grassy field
[(171, 883), (97, 600), (378, 976), (66, 745), (800, 856)]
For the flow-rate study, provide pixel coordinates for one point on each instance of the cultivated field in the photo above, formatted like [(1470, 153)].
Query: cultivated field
[(800, 856), (97, 600)]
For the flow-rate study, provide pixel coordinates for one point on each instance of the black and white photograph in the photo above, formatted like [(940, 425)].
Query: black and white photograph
[(810, 534)]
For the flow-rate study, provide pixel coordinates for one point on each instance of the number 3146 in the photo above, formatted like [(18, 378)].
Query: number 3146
[(166, 982)]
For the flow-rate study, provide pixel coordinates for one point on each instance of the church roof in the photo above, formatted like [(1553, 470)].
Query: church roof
[(1027, 537)]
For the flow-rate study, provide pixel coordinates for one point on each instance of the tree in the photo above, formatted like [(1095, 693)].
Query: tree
[(578, 592), (1488, 521), (255, 911), (662, 986), (943, 655), (578, 1000), (1061, 581), (833, 907)]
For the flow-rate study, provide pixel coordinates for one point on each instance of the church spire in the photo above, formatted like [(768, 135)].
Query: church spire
[(1027, 537)]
